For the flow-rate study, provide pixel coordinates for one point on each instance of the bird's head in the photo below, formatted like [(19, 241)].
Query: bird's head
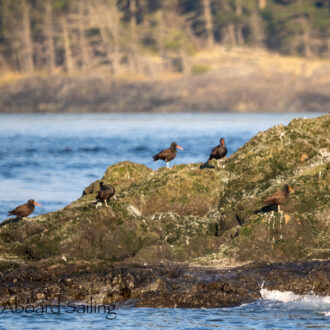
[(175, 145), (287, 188), (222, 141), (32, 202)]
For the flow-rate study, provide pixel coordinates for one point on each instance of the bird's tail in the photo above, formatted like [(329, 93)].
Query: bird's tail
[(267, 208), (155, 157), (206, 165)]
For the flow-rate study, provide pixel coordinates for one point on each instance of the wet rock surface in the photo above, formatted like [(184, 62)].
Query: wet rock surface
[(163, 285), (194, 214)]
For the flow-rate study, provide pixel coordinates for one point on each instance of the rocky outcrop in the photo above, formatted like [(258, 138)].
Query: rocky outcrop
[(192, 213)]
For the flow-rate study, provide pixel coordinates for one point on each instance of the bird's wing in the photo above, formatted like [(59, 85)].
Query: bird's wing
[(273, 198), (101, 194), (214, 152), (159, 155), (110, 193), (17, 209), (163, 153)]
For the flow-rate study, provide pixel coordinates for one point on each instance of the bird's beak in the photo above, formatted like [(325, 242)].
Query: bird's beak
[(37, 203), (179, 147), (291, 190)]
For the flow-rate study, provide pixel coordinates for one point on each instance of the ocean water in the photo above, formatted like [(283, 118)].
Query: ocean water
[(276, 310), (52, 158)]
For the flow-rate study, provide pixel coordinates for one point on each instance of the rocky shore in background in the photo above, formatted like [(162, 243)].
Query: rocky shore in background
[(237, 86), (186, 236)]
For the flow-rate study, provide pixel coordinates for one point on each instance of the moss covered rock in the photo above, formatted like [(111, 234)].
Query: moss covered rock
[(261, 167), (195, 213)]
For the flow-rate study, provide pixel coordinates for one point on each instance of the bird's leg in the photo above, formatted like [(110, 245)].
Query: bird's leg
[(168, 164), (278, 208), (106, 203)]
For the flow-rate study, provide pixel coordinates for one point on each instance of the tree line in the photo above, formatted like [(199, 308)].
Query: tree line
[(145, 36)]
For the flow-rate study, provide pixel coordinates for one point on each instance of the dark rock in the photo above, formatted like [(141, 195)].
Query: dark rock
[(135, 249)]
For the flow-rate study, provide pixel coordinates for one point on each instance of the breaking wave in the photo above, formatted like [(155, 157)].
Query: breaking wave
[(292, 300)]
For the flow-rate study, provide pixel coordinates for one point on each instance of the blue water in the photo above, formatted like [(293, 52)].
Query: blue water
[(258, 315), (53, 157)]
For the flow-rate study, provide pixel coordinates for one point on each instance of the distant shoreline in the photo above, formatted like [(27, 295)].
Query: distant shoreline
[(206, 113), (208, 92), (245, 81)]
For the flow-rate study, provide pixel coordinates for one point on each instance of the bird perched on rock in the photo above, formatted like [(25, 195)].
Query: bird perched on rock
[(168, 154), (105, 193), (24, 210), (219, 151), (279, 197)]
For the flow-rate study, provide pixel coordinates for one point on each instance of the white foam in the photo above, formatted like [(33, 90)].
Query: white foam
[(283, 296), (309, 301)]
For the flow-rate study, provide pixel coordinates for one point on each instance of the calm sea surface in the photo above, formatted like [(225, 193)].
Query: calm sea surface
[(275, 311), (52, 158)]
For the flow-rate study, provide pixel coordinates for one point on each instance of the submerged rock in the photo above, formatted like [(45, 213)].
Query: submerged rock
[(188, 213)]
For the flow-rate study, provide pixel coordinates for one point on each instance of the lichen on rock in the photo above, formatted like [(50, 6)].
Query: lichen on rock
[(190, 212)]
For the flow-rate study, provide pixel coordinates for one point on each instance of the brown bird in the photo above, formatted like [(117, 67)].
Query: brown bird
[(168, 154), (105, 193), (219, 151), (24, 210), (279, 197)]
